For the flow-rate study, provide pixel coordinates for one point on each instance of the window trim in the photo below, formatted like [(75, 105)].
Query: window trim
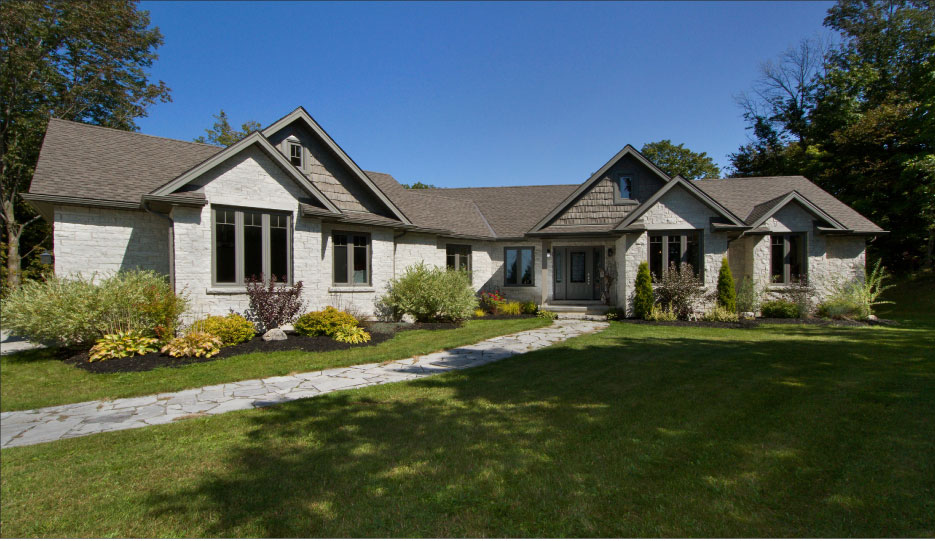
[(520, 249), (786, 265), (239, 279), (618, 195), (458, 256), (350, 259), (292, 144), (683, 248)]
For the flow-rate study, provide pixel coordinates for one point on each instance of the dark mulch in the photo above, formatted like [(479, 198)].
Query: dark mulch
[(379, 332), (504, 316), (751, 323)]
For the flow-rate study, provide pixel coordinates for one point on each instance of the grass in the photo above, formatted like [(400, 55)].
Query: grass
[(35, 379), (779, 431)]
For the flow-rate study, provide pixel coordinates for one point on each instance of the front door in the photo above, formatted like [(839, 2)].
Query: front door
[(574, 272)]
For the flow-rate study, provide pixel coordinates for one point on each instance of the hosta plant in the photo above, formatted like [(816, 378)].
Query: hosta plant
[(350, 334), (193, 344), (122, 344), (546, 314)]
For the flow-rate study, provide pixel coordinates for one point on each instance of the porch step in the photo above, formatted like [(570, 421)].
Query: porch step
[(582, 310)]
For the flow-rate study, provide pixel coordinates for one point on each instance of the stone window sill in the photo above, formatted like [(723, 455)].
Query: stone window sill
[(222, 290), (351, 289)]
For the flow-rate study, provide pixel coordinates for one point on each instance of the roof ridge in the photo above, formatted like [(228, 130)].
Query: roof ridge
[(747, 178), (497, 187), (84, 124)]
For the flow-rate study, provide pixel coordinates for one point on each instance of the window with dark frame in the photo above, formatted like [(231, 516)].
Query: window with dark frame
[(674, 248), (250, 244), (625, 186), (351, 258), (295, 154), (787, 258), (519, 266), (458, 256)]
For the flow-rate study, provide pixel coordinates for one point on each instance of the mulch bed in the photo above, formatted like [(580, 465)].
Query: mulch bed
[(504, 316), (752, 323), (316, 344)]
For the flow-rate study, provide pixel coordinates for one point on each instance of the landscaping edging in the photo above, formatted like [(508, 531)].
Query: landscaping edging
[(28, 427)]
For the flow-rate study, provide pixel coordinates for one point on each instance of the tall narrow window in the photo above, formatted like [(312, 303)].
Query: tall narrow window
[(519, 266), (295, 154), (559, 264), (625, 186), (674, 249), (787, 258), (225, 247), (351, 261), (458, 256), (250, 244)]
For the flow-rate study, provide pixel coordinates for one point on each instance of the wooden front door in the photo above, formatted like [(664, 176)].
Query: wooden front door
[(574, 272)]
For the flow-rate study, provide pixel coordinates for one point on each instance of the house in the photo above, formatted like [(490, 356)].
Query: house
[(288, 201)]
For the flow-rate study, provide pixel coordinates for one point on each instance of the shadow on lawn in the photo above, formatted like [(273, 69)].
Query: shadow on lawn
[(606, 436)]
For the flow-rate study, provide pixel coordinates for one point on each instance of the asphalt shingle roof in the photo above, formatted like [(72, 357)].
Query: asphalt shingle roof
[(93, 162)]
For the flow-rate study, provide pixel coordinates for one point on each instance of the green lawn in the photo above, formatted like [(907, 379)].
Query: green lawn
[(780, 431), (36, 378)]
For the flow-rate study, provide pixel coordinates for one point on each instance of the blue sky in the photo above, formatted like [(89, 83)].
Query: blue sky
[(476, 94)]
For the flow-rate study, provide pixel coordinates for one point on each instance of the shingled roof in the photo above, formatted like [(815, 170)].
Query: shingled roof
[(82, 163), (93, 162), (749, 197)]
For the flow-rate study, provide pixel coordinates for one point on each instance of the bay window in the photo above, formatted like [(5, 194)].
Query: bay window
[(674, 248), (251, 244)]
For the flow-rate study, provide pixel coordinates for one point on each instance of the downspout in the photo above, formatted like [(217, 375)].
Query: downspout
[(168, 219)]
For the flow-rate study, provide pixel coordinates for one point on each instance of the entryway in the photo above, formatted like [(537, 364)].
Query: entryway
[(575, 272)]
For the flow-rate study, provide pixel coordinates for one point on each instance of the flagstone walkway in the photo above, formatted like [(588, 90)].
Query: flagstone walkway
[(28, 427)]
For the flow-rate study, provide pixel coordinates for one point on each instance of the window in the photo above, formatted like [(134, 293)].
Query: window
[(458, 256), (559, 266), (625, 187), (351, 256), (578, 273), (295, 154), (518, 266), (787, 258), (250, 243), (674, 249)]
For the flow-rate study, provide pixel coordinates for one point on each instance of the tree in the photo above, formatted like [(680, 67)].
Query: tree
[(643, 295), (419, 186), (859, 123), (223, 134), (726, 294), (678, 160), (78, 61)]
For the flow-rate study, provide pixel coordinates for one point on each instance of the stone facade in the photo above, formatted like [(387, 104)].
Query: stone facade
[(95, 240)]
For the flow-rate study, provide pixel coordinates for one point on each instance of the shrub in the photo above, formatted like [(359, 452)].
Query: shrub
[(478, 312), (73, 311), (528, 307), (643, 297), (273, 305), (122, 344), (799, 293), (351, 334), (658, 313), (546, 314), (324, 323), (726, 294), (856, 299), (431, 294), (720, 313), (511, 309), (193, 344), (748, 298), (490, 301), (616, 314), (679, 290), (780, 308), (232, 329)]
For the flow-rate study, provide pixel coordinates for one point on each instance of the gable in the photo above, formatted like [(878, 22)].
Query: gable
[(597, 201), (678, 209), (250, 178), (329, 168), (791, 217)]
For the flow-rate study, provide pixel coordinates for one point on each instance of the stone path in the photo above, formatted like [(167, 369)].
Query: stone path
[(58, 422)]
